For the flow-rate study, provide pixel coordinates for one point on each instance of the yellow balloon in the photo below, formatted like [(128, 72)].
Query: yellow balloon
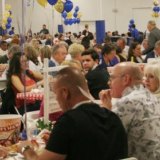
[(155, 2), (156, 15), (4, 21), (43, 3), (79, 15), (69, 15), (7, 7), (59, 6), (3, 26), (6, 14)]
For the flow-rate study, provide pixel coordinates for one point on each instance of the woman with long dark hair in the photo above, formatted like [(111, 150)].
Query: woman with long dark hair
[(19, 77), (134, 53)]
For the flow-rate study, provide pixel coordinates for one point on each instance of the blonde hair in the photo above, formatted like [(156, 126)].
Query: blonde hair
[(45, 52), (75, 49), (153, 68), (72, 63), (31, 53)]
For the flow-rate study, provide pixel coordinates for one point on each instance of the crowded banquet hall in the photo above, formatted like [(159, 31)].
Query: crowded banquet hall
[(79, 80)]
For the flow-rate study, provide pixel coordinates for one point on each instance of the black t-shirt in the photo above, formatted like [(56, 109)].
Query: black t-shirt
[(89, 133), (44, 31)]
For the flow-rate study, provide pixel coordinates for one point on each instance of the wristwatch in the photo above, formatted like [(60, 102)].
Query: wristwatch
[(25, 148)]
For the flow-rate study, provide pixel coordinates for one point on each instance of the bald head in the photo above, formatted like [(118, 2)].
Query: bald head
[(70, 87), (131, 69), (123, 75), (72, 78)]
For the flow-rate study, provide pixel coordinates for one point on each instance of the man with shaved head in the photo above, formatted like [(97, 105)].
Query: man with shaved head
[(138, 109), (85, 131)]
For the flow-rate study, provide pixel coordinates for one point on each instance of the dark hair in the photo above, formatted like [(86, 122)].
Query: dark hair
[(133, 26), (99, 46), (85, 42), (107, 39), (14, 67), (60, 36), (56, 35), (107, 48), (118, 50), (3, 42), (131, 48), (92, 53)]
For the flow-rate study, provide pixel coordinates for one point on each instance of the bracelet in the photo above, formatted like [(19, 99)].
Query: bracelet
[(25, 149)]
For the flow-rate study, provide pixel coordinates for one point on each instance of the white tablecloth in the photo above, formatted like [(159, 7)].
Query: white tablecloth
[(16, 157)]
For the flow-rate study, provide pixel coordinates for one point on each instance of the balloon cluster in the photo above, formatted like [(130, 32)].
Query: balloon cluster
[(7, 17), (65, 8), (156, 9), (72, 18), (131, 23)]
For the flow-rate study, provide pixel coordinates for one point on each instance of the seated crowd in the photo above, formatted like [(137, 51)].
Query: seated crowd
[(107, 71)]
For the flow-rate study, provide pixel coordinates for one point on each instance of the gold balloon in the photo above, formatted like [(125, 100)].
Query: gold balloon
[(6, 14), (79, 15), (155, 2), (7, 7), (69, 15), (155, 15), (43, 3), (59, 6), (4, 21), (3, 26)]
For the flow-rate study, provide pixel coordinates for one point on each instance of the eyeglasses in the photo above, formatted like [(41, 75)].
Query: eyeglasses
[(112, 77)]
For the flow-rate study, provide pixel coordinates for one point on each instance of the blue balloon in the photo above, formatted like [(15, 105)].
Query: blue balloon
[(75, 14), (78, 20), (68, 5), (70, 22), (64, 14), (9, 20), (52, 2), (76, 9), (5, 31), (157, 9), (66, 21), (154, 9), (74, 20), (8, 25), (131, 21), (130, 26)]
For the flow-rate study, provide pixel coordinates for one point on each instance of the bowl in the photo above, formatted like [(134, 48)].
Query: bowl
[(10, 125)]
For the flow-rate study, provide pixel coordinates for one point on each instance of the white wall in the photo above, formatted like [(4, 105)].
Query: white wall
[(139, 10), (91, 10)]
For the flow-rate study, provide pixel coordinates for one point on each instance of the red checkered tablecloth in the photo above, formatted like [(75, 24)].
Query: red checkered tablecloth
[(30, 96)]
